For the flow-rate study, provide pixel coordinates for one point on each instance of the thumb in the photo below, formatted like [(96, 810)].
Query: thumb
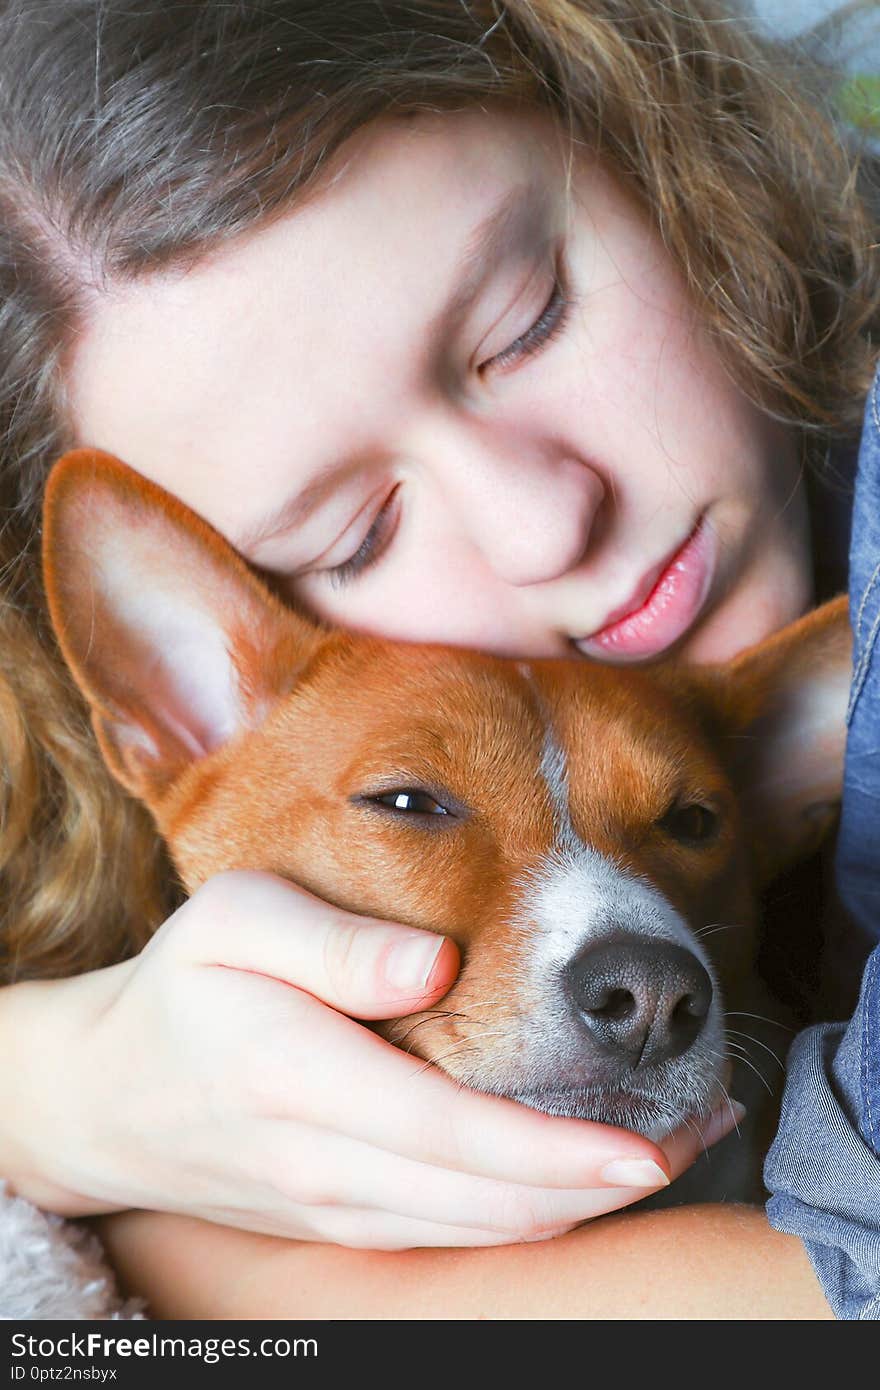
[(359, 965)]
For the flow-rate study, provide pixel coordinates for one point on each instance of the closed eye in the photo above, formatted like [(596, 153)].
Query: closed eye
[(371, 547), (549, 323)]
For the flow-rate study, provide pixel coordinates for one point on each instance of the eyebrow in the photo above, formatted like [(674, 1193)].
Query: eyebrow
[(290, 513), (513, 222)]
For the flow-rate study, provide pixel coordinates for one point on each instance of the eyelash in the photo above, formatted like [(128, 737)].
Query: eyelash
[(549, 323), (368, 551)]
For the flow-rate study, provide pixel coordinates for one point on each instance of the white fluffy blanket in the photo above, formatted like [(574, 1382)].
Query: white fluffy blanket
[(51, 1268)]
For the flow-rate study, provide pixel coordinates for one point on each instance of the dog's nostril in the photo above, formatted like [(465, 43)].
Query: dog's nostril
[(643, 1002), (691, 1006), (611, 1004)]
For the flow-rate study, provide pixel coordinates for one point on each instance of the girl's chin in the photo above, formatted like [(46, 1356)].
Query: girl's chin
[(746, 618)]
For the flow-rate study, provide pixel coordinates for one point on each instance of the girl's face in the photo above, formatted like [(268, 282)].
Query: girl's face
[(459, 397)]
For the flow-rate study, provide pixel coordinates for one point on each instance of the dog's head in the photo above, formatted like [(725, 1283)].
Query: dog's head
[(593, 838)]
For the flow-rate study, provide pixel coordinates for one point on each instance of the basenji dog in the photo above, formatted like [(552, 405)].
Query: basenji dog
[(593, 837)]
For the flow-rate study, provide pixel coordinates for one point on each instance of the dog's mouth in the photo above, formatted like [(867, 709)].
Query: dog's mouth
[(641, 1113), (653, 1103)]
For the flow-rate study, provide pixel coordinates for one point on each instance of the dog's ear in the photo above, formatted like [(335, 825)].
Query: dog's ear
[(174, 642), (782, 706)]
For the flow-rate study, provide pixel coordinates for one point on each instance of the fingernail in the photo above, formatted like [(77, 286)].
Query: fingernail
[(722, 1121), (634, 1172), (410, 963)]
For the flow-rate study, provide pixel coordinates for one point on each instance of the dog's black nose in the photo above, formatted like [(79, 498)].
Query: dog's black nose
[(642, 1001)]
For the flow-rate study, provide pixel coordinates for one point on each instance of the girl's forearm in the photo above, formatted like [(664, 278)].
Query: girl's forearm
[(37, 1109), (722, 1262), (23, 1047)]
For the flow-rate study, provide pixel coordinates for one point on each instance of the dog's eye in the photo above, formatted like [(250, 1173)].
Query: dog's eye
[(411, 801), (691, 824)]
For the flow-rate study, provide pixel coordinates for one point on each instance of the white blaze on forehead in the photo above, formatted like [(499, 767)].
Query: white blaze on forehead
[(577, 896), (553, 768)]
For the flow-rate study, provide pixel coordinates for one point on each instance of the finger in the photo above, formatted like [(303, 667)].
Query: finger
[(366, 1229), (312, 1168), (365, 967), (398, 1103), (696, 1138)]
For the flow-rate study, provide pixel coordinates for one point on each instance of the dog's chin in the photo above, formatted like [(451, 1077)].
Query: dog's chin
[(650, 1116)]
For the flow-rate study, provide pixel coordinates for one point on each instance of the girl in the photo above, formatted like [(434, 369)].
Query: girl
[(458, 320)]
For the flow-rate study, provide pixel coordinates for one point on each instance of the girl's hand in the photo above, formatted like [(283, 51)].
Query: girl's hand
[(217, 1074)]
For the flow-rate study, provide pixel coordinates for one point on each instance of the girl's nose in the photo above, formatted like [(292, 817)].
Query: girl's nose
[(529, 510)]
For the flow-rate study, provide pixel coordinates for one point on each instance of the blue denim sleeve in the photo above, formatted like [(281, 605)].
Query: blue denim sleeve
[(823, 1169), (857, 869)]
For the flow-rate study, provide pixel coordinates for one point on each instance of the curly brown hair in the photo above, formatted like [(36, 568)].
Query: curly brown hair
[(134, 137)]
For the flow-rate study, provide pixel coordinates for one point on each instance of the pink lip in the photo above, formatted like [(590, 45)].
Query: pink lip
[(666, 603)]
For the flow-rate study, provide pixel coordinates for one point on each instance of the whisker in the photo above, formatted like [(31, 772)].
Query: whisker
[(461, 1047), (737, 1053), (747, 1061), (435, 1061), (401, 1038), (690, 1123), (490, 1001), (435, 1016), (714, 927), (729, 1101), (730, 1032), (762, 1018)]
